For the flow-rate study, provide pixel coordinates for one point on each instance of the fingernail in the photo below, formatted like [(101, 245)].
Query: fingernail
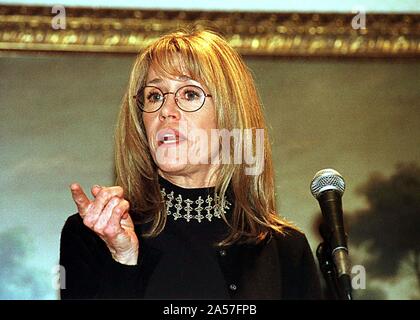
[(97, 186)]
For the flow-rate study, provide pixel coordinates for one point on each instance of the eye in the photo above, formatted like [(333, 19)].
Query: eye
[(191, 94), (154, 96)]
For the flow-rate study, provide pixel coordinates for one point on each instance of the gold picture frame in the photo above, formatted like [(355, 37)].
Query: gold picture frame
[(29, 28)]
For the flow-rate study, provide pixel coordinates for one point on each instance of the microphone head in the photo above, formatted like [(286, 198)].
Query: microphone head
[(327, 179)]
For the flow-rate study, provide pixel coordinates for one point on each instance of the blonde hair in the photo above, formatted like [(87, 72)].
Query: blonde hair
[(206, 57)]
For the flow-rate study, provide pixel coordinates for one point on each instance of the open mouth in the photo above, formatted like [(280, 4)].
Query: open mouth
[(169, 137)]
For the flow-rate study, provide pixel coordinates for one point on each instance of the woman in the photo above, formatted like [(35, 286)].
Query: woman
[(187, 219)]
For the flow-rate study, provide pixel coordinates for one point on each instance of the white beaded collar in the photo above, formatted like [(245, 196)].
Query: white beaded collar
[(194, 210)]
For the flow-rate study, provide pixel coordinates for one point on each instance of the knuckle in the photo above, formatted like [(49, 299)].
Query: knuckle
[(98, 229), (104, 194), (87, 221), (110, 232), (115, 201)]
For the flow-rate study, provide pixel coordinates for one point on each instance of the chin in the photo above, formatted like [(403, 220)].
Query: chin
[(176, 159), (172, 167), (171, 159)]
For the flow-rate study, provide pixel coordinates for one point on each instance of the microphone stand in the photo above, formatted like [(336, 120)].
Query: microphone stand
[(327, 268), (326, 263)]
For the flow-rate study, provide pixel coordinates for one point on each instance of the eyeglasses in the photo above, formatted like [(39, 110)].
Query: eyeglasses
[(188, 98)]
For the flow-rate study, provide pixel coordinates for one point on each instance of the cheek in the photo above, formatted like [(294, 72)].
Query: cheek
[(207, 120), (200, 131), (148, 122), (203, 124)]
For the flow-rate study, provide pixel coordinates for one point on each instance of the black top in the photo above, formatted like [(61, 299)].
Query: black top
[(188, 267), (183, 262)]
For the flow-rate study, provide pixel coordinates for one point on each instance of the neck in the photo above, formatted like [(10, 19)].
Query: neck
[(192, 180)]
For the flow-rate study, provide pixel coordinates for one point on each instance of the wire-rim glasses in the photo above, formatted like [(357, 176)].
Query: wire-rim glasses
[(189, 98)]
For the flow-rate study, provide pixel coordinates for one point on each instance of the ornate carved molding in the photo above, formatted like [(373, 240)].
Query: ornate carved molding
[(262, 34)]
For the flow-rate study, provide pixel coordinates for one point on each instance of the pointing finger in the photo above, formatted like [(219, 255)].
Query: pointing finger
[(80, 198)]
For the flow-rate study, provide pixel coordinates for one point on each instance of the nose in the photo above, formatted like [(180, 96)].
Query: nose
[(169, 108)]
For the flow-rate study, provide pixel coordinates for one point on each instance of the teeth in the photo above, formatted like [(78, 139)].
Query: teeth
[(169, 141), (169, 138)]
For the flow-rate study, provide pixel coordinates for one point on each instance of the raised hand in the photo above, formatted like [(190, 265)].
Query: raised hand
[(108, 216)]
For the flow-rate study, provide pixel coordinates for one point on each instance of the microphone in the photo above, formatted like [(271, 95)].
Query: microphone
[(327, 187)]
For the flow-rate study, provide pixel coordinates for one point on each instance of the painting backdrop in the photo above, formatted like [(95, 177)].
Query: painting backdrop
[(57, 117)]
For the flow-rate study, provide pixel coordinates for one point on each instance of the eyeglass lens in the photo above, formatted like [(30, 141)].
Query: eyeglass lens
[(188, 98)]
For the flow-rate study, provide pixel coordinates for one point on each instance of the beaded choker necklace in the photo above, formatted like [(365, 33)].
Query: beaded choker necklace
[(195, 204)]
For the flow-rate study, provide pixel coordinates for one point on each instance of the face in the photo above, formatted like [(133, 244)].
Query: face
[(180, 141)]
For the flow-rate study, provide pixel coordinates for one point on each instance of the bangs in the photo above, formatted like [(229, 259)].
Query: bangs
[(175, 56)]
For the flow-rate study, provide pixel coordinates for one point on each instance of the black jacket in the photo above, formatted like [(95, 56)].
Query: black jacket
[(281, 267)]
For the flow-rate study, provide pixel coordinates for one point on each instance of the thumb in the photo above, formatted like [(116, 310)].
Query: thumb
[(95, 190)]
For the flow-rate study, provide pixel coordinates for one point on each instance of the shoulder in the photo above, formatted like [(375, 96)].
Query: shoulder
[(291, 243), (290, 237)]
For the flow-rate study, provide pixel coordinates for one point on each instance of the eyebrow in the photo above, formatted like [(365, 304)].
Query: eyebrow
[(156, 80), (160, 80)]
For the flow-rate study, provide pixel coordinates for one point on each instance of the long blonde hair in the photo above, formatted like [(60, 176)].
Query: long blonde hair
[(209, 59)]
